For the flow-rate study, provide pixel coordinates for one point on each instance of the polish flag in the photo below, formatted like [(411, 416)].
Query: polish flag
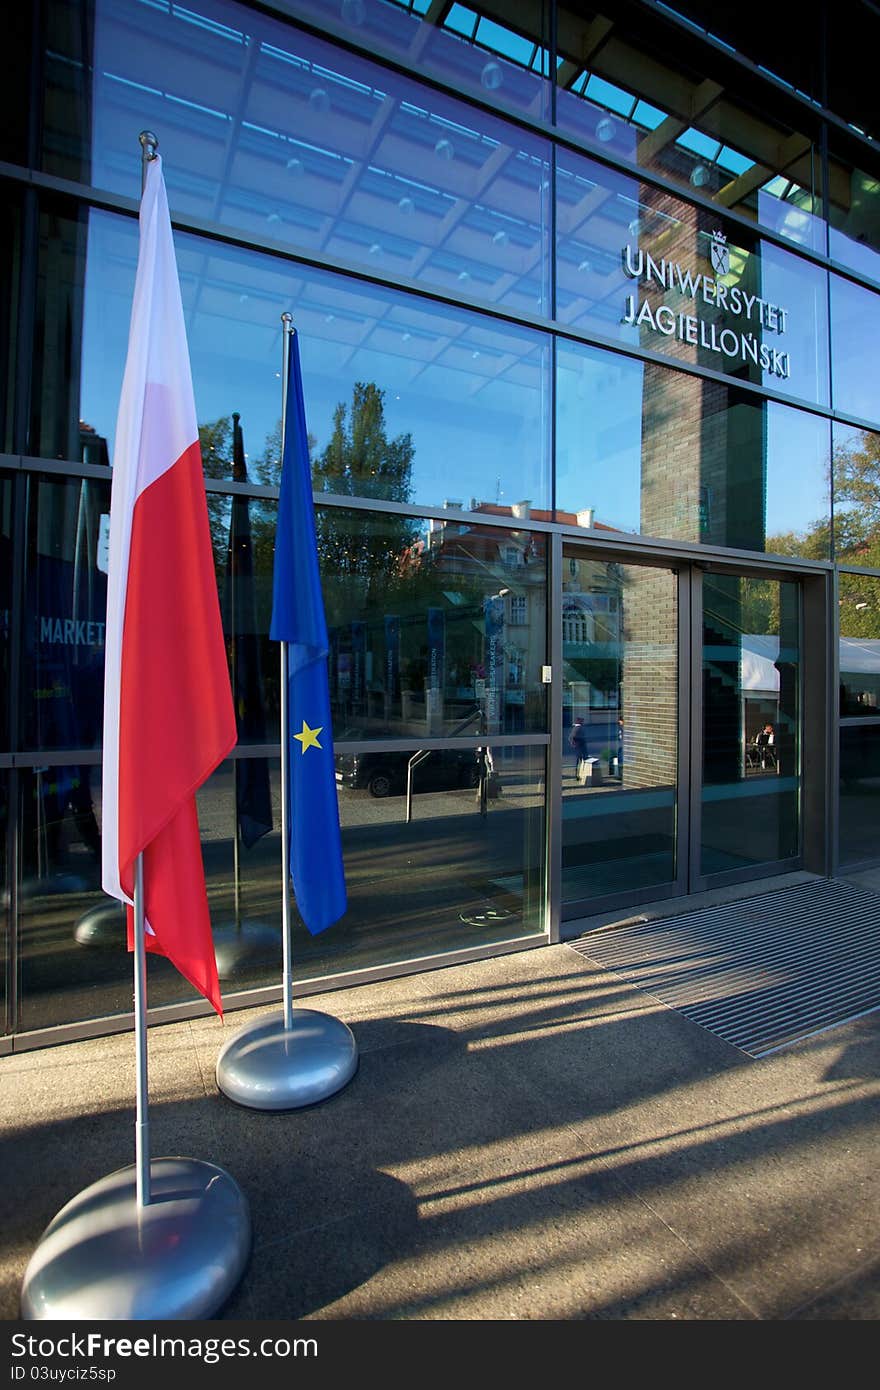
[(169, 719)]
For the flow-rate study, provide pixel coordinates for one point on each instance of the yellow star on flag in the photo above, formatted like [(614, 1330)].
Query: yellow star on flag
[(309, 737)]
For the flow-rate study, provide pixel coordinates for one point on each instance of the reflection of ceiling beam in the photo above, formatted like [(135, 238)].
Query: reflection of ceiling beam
[(579, 46), (741, 187), (658, 84), (233, 133), (669, 130), (437, 11), (570, 218), (488, 172), (752, 136), (378, 126)]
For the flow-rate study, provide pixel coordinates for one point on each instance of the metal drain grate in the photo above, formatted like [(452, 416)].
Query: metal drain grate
[(762, 973)]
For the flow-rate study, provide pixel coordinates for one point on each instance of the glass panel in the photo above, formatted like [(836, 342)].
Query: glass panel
[(465, 871), (243, 536), (66, 75), (436, 627), (7, 484), (661, 101), (856, 485), (504, 59), (473, 869), (54, 423), (65, 610), (17, 33), (648, 270), (751, 722), (10, 270), (854, 217), (369, 355), (620, 715), (240, 822), (283, 136), (855, 329), (641, 448), (4, 897), (64, 979), (859, 609), (859, 794), (75, 964)]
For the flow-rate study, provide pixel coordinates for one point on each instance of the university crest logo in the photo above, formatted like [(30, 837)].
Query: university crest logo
[(719, 254)]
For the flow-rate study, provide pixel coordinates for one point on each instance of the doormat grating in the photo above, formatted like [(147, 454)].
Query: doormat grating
[(762, 973)]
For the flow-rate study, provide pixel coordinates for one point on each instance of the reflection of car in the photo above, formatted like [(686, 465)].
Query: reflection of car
[(383, 772)]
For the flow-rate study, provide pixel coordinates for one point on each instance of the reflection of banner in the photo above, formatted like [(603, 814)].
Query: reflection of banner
[(436, 647), (252, 796), (392, 656), (493, 609), (358, 660), (65, 604), (65, 608)]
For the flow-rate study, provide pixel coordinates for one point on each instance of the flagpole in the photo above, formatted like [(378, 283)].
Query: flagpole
[(160, 1240), (149, 146), (301, 1056), (142, 1113), (287, 962)]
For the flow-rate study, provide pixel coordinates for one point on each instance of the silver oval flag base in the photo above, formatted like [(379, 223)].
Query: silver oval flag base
[(268, 1067), (178, 1257)]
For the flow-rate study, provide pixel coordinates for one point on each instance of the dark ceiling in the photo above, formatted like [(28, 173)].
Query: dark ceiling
[(827, 51)]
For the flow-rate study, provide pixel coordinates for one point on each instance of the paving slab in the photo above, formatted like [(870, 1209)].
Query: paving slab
[(526, 1137)]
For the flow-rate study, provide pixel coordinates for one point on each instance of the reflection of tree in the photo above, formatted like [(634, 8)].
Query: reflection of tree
[(360, 460), (215, 439), (855, 477), (363, 557)]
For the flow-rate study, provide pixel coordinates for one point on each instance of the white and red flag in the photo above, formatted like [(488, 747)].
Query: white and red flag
[(169, 719)]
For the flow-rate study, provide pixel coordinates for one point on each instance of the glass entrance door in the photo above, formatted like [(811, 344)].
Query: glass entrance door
[(748, 754), (681, 725), (620, 764)]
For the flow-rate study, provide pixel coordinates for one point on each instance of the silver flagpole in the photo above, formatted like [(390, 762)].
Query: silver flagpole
[(165, 1239), (287, 930), (300, 1056), (142, 1091), (287, 961), (149, 147)]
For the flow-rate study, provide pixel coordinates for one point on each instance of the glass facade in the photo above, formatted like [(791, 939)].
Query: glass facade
[(587, 303)]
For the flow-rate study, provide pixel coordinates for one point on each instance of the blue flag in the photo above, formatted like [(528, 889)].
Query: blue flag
[(316, 867)]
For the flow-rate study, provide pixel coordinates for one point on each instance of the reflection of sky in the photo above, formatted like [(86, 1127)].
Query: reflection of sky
[(801, 289), (599, 447), (855, 314), (472, 392), (599, 435), (798, 486)]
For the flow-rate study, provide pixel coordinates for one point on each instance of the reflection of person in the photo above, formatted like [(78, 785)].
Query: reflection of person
[(765, 743), (578, 741)]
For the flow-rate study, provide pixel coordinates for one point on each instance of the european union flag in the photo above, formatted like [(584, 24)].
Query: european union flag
[(316, 867)]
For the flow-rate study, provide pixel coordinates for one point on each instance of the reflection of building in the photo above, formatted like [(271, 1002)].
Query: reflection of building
[(703, 460)]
